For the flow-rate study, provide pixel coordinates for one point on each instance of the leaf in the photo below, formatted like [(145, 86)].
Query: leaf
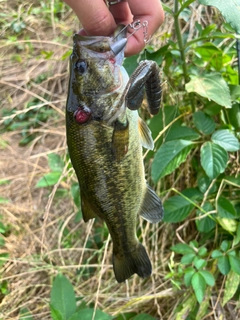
[(183, 248), (225, 208), (205, 224), (199, 263), (56, 314), (177, 208), (143, 316), (209, 278), (169, 156), (62, 296), (55, 162), (188, 258), (187, 307), (213, 159), (231, 286), (227, 224), (225, 245), (75, 192), (87, 314), (181, 132), (211, 54), (199, 286), (224, 265), (203, 122), (234, 263), (216, 254), (229, 9), (25, 314), (211, 86), (226, 140), (48, 179), (188, 276)]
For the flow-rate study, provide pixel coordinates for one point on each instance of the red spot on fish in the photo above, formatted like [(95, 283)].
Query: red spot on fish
[(112, 60), (82, 115)]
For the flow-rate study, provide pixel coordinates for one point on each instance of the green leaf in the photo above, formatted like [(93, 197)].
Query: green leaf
[(177, 208), (188, 258), (224, 265), (189, 272), (234, 263), (231, 286), (144, 316), (226, 140), (25, 314), (225, 208), (181, 132), (187, 307), (203, 122), (131, 63), (213, 159), (75, 192), (62, 296), (230, 225), (211, 86), (169, 156), (209, 278), (55, 162), (204, 183), (230, 10), (199, 263), (56, 314), (3, 200), (205, 224), (125, 316), (211, 54), (48, 179), (216, 254), (225, 245), (183, 248), (202, 252), (199, 286), (87, 314)]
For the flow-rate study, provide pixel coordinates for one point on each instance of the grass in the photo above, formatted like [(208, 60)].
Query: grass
[(44, 235)]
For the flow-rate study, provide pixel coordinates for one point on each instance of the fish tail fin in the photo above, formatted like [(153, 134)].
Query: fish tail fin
[(126, 265)]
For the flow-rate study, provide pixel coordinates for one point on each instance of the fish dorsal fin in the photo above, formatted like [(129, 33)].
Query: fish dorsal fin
[(151, 208), (145, 135), (120, 140), (87, 211)]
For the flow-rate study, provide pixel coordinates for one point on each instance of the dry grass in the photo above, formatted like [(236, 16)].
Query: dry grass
[(37, 242)]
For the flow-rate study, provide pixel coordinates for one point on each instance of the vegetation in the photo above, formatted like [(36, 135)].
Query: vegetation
[(52, 264)]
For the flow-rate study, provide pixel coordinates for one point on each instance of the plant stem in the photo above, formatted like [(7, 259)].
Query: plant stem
[(181, 49)]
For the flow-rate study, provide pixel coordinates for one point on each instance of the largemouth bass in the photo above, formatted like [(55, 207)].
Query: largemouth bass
[(105, 137)]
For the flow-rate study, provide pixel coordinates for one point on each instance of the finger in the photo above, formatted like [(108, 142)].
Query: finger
[(121, 13), (152, 12), (95, 16)]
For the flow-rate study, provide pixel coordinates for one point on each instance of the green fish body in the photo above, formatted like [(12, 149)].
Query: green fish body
[(105, 148)]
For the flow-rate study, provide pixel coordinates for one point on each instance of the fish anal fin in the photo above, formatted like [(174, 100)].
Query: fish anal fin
[(151, 208), (145, 135), (120, 140), (126, 264), (87, 210)]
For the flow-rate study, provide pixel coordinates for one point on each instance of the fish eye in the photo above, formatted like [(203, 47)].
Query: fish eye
[(81, 66)]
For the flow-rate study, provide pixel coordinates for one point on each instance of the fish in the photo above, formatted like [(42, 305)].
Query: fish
[(105, 136)]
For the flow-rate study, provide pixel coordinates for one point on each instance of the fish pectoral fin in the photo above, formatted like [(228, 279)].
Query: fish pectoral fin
[(145, 135), (126, 264), (87, 211), (151, 208), (120, 140)]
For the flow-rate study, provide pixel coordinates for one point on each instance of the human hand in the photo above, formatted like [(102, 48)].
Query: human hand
[(99, 20)]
